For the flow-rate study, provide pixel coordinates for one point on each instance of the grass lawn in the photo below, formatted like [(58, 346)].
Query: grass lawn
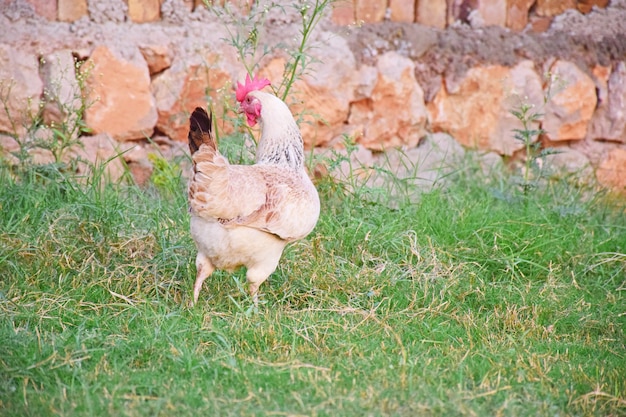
[(472, 300)]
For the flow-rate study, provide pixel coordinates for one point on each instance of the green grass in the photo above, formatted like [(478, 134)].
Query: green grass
[(476, 300)]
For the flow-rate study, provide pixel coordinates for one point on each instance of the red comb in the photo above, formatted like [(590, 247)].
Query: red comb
[(251, 85)]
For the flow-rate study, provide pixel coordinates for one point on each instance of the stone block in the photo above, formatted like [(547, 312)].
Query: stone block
[(45, 8), (20, 89), (343, 12), (540, 24), (158, 57), (62, 92), (323, 97), (98, 152), (402, 11), (370, 11), (477, 112), (517, 13), (585, 6), (71, 10), (549, 8), (432, 13), (611, 172), (141, 11), (609, 119), (572, 101), (183, 87), (395, 114), (492, 12), (118, 87)]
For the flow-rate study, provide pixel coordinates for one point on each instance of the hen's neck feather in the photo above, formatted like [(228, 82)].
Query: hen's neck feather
[(281, 141)]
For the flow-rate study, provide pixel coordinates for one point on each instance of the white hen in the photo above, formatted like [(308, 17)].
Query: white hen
[(244, 215)]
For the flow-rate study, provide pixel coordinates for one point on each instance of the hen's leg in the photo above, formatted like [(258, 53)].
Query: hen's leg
[(256, 276), (253, 288), (204, 268)]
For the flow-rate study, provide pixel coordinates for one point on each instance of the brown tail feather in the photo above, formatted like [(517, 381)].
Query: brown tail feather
[(200, 131)]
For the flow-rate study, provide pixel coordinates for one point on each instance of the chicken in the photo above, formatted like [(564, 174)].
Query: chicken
[(245, 215)]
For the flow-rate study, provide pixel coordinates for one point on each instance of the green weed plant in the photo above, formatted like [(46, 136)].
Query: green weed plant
[(530, 116)]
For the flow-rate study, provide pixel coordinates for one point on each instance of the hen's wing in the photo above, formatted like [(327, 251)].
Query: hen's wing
[(291, 205), (274, 199), (216, 190)]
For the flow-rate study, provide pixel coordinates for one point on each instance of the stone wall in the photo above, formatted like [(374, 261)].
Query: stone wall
[(512, 14), (389, 73)]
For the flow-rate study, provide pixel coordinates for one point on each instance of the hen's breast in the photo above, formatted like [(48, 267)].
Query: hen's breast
[(229, 248)]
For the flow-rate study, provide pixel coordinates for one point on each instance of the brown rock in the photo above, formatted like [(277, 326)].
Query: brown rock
[(324, 113), (20, 90), (324, 97), (609, 119), (9, 147), (540, 24), (62, 92), (183, 87), (517, 13), (402, 11), (119, 89), (425, 166), (364, 81), (567, 161), (96, 153), (355, 166), (432, 13), (33, 148), (585, 6), (553, 7), (241, 6), (601, 76), (571, 103), (343, 12), (158, 57), (370, 11), (274, 70), (595, 151), (395, 114), (477, 111), (40, 156), (612, 171), (141, 11), (491, 12), (431, 163), (71, 10), (136, 156), (45, 8), (141, 171)]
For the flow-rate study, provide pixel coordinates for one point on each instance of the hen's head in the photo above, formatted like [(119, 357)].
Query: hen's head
[(250, 105)]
